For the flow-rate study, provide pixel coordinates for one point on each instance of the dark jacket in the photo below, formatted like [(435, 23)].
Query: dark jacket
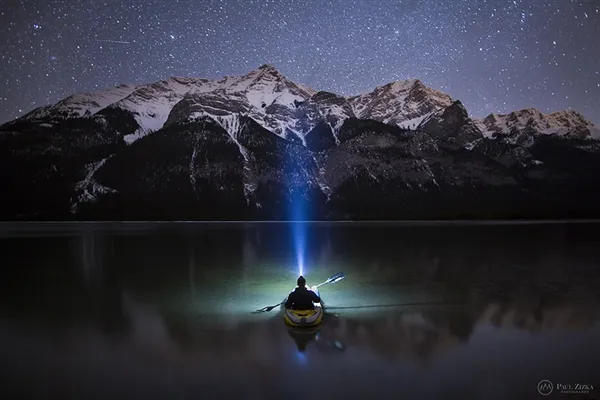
[(302, 299)]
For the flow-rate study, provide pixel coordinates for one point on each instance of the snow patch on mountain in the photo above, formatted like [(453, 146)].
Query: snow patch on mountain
[(414, 122), (321, 179), (132, 137), (151, 104), (88, 190), (333, 111), (192, 171), (471, 145), (265, 94), (335, 130), (594, 132), (231, 123)]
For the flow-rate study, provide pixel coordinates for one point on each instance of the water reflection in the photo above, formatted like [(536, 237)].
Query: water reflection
[(471, 313), (90, 250), (428, 345)]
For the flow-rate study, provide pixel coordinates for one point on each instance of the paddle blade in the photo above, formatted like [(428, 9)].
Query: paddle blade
[(336, 277), (267, 309)]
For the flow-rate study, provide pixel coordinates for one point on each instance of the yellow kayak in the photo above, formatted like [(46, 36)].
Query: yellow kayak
[(304, 318)]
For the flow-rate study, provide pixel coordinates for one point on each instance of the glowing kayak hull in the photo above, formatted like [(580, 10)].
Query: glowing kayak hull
[(304, 318)]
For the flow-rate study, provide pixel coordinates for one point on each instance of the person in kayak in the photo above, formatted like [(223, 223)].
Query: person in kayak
[(302, 298)]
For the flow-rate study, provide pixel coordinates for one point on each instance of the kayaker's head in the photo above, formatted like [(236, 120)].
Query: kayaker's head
[(301, 281)]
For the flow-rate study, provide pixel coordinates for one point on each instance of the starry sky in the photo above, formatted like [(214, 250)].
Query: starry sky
[(493, 55)]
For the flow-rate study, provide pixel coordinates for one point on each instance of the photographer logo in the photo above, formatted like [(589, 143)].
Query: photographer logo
[(545, 387)]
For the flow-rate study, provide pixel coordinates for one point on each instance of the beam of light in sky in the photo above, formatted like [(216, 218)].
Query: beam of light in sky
[(298, 214)]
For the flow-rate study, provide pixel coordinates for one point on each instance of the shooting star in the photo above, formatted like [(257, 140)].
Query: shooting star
[(111, 41)]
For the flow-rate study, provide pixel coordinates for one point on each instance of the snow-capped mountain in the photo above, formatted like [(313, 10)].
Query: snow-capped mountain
[(403, 103), (248, 146), (82, 104), (264, 95), (519, 126), (278, 104), (292, 110)]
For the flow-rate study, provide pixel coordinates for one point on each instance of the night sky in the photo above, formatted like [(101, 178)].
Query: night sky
[(494, 55)]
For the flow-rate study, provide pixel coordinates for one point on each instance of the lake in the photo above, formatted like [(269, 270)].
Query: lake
[(426, 311)]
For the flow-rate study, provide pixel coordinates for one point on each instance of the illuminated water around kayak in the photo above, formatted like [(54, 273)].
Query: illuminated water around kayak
[(424, 312)]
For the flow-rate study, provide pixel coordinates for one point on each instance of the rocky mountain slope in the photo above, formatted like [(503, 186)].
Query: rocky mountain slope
[(260, 146)]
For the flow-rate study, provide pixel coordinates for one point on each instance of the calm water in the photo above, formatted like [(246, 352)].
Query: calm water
[(165, 311)]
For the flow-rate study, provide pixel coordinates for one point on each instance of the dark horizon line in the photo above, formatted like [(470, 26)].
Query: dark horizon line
[(516, 221)]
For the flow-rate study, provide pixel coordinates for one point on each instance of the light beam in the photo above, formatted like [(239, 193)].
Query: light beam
[(299, 237)]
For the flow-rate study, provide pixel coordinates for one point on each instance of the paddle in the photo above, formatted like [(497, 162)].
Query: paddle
[(332, 279), (434, 304)]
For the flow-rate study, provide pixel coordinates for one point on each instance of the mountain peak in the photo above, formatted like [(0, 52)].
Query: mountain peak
[(265, 72), (399, 86), (267, 67), (403, 103), (531, 112)]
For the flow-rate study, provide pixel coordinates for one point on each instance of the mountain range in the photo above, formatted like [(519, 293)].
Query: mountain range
[(261, 147)]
